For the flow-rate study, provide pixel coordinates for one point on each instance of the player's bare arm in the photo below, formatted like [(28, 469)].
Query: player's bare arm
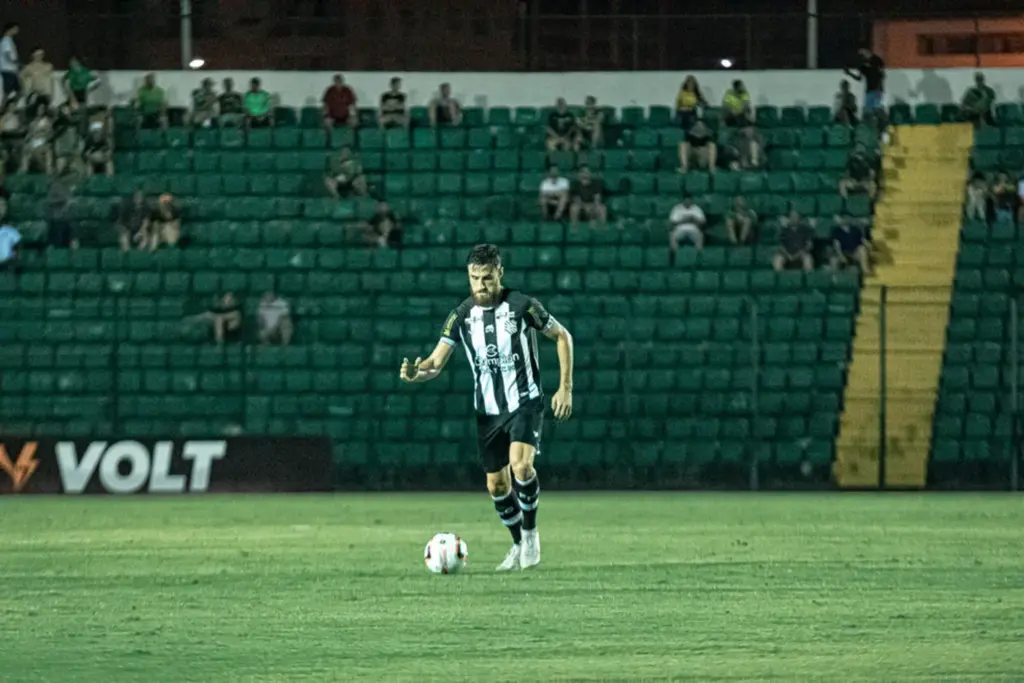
[(421, 370), (561, 402)]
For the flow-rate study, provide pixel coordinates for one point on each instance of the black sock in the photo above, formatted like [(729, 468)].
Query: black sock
[(528, 493), (510, 514)]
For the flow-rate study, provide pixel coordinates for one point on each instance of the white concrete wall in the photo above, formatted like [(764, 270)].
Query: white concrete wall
[(618, 89)]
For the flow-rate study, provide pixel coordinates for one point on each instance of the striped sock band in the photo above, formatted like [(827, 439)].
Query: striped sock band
[(528, 493), (510, 514)]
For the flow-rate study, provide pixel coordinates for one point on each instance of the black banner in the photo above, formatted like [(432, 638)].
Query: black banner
[(121, 466)]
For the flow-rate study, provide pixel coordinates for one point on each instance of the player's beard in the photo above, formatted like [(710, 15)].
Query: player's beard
[(483, 298)]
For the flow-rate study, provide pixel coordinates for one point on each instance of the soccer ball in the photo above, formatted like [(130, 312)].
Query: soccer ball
[(445, 554)]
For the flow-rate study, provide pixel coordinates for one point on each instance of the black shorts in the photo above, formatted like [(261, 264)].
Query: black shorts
[(495, 433), (11, 83)]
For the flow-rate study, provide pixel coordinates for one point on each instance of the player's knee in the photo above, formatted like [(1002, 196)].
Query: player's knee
[(520, 458)]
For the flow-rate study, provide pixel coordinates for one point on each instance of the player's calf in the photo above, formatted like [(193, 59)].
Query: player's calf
[(506, 503)]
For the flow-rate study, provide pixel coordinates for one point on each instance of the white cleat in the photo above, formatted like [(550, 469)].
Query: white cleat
[(529, 555), (511, 561)]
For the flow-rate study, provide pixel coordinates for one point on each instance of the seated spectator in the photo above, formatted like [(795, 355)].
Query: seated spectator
[(562, 132), (796, 241), (445, 110), (845, 108), (38, 152), (230, 106), (204, 105), (740, 221), (554, 195), (850, 246), (10, 239), (860, 173), (700, 145), (12, 136), (57, 211), (98, 152), (976, 206), (383, 229), (151, 104), (78, 81), (689, 101), (339, 102), (736, 109), (345, 176), (976, 106), (259, 109), (591, 124), (67, 139), (745, 150), (132, 221), (37, 81), (1004, 198), (587, 200), (275, 320), (224, 317), (687, 222), (392, 107), (164, 222)]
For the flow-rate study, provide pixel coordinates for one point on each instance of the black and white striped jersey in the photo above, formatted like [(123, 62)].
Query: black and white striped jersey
[(501, 345)]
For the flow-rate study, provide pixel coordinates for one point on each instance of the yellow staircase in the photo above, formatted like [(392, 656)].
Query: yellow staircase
[(916, 234)]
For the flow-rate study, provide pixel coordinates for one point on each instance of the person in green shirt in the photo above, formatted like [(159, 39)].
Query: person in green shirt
[(976, 106), (258, 106), (204, 104), (78, 81), (736, 106), (151, 104)]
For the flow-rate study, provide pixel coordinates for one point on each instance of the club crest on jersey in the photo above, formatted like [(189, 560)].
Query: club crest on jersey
[(489, 328), (511, 325)]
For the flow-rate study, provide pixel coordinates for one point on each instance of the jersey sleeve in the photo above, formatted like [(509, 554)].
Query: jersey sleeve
[(451, 331), (537, 316)]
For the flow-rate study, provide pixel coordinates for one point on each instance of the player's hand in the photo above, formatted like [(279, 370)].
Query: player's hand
[(561, 404), (409, 371)]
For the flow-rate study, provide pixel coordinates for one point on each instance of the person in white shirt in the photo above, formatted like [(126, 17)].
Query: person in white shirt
[(9, 66), (554, 195), (10, 238), (275, 320), (687, 219)]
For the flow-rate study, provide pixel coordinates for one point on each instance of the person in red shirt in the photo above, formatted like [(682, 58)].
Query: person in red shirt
[(339, 105)]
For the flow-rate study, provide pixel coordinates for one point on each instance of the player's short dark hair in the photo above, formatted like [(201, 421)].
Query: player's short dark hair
[(484, 255)]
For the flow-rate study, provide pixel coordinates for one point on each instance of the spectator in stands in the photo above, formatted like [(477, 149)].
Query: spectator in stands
[(586, 200), (740, 221), (687, 223), (204, 105), (850, 245), (275, 320), (445, 110), (591, 124), (151, 104), (746, 149), (871, 69), (12, 135), (339, 103), (689, 101), (57, 211), (37, 80), (67, 139), (383, 228), (230, 107), (392, 107), (1004, 198), (77, 82), (225, 318), (562, 131), (700, 145), (860, 173), (133, 221), (976, 206), (345, 176), (258, 106), (38, 151), (98, 151), (796, 241), (736, 109), (164, 222), (9, 64), (845, 108), (554, 195), (10, 239), (976, 106)]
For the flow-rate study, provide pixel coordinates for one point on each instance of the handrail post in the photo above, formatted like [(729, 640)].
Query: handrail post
[(755, 380), (882, 399), (1015, 394)]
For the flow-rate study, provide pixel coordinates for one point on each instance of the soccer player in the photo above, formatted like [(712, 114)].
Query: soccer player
[(497, 328)]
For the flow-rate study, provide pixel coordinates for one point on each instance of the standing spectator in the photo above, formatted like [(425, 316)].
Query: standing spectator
[(339, 105), (796, 240), (860, 173), (9, 64), (67, 139), (165, 223), (976, 206), (850, 246), (736, 106), (591, 123), (37, 80), (587, 202), (445, 110), (12, 136), (275, 320), (700, 146), (686, 221), (562, 131), (740, 221), (151, 104), (98, 152), (976, 106), (133, 221), (392, 106), (554, 195), (345, 176), (38, 152), (204, 105), (77, 82), (1004, 198), (58, 215), (845, 107), (871, 70), (257, 105), (229, 105), (383, 229), (689, 100), (10, 239)]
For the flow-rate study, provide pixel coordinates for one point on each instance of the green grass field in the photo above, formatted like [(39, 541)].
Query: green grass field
[(633, 586)]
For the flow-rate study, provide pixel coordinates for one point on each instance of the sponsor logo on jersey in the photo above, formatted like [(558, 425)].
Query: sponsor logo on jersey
[(491, 360), (489, 328)]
